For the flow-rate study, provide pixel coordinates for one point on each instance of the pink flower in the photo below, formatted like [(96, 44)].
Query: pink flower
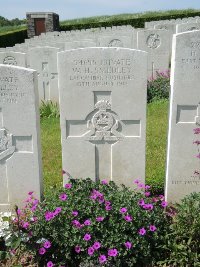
[(147, 187), (147, 194), (108, 208), (77, 249), (96, 245), (57, 211), (87, 237), (75, 213), (198, 156), (141, 202), (63, 197), (50, 264), (49, 215), (76, 223), (25, 225), (47, 244), (108, 203), (142, 231), (152, 228), (104, 182), (87, 222), (42, 251), (112, 252), (30, 193), (128, 245), (196, 131), (128, 218), (123, 210), (141, 185), (68, 186), (148, 206), (164, 204), (99, 219), (33, 208), (197, 142), (19, 212), (136, 181), (90, 251), (102, 258)]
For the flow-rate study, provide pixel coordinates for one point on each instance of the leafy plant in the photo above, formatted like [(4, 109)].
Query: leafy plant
[(49, 109), (94, 223), (184, 240), (159, 87)]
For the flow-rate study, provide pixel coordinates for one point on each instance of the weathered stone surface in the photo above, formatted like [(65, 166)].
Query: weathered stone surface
[(103, 113), (115, 40), (20, 155), (182, 162)]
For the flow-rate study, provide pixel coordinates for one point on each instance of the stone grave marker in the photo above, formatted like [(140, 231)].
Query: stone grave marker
[(157, 44), (44, 60), (185, 27), (115, 40), (79, 44), (13, 58), (182, 162), (103, 113), (20, 155)]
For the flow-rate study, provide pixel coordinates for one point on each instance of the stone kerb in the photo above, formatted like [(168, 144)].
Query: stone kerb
[(102, 95), (182, 162)]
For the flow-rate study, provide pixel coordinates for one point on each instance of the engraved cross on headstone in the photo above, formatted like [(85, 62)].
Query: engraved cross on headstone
[(9, 144), (46, 77), (103, 128)]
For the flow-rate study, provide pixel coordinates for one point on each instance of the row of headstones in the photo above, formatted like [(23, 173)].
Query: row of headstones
[(103, 120), (38, 56), (44, 58)]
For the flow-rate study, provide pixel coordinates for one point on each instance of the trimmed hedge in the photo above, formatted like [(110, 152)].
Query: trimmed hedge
[(12, 38), (135, 22)]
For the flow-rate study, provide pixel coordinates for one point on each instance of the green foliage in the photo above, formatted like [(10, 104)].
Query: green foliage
[(12, 22), (52, 220), (159, 87), (12, 38), (156, 144), (49, 109), (184, 240), (136, 20)]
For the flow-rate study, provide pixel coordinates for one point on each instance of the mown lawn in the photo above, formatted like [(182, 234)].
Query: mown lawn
[(157, 116)]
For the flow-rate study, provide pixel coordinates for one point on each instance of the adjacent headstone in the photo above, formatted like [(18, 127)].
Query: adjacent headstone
[(79, 44), (103, 113), (182, 162), (185, 27), (13, 58), (44, 60), (157, 44), (20, 155), (115, 41)]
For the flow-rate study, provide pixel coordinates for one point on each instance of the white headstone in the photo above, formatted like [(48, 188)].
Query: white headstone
[(185, 27), (184, 117), (13, 58), (79, 44), (20, 155), (157, 44), (44, 60), (103, 113), (115, 40)]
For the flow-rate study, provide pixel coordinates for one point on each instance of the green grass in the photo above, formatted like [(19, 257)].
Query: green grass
[(126, 16), (10, 29), (157, 123)]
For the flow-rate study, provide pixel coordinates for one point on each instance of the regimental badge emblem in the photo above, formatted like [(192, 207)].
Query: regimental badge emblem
[(104, 124), (9, 60), (115, 43), (6, 144), (153, 41)]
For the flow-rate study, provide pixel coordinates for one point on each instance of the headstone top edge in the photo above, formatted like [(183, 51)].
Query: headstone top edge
[(17, 68)]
